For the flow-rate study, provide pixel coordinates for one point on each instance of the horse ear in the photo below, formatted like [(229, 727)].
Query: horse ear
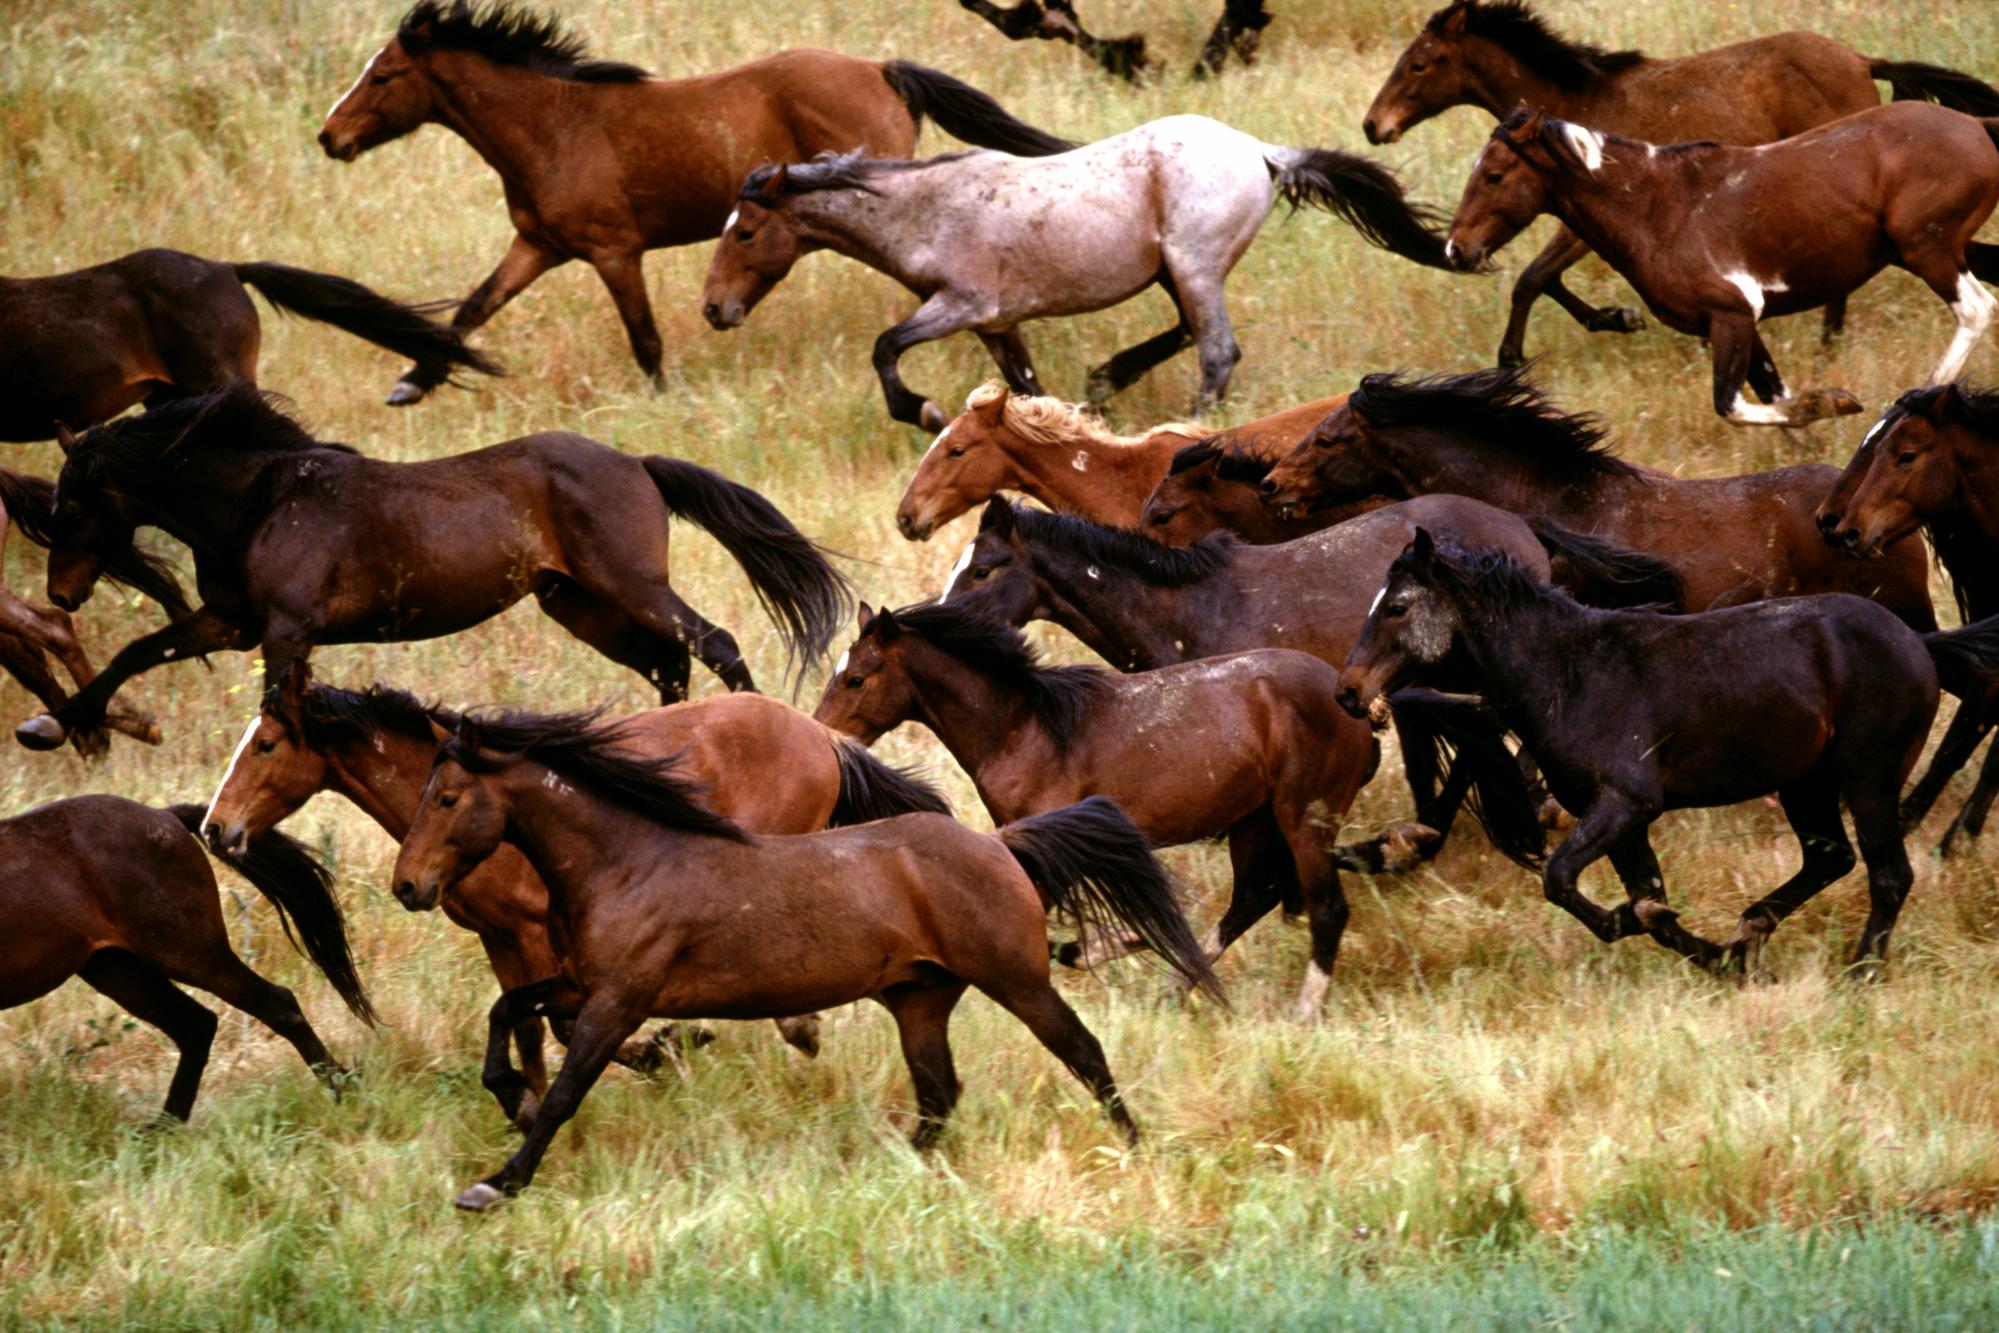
[(886, 627), (65, 438), (998, 517), (864, 616), (775, 185), (292, 687), (1454, 19), (1422, 553), (993, 408), (438, 731)]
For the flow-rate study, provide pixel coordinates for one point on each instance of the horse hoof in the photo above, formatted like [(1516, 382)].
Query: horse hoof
[(1405, 845), (932, 418), (524, 1114), (1552, 817), (478, 1198), (41, 733), (1621, 319), (1653, 914), (1509, 359), (404, 394)]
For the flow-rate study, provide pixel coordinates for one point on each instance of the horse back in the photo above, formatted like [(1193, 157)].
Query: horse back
[(1750, 92), (764, 764)]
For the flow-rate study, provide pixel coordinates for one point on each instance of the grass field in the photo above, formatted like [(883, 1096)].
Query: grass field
[(1499, 1122)]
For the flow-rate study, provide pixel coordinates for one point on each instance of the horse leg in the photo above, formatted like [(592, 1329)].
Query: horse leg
[(190, 636), (1610, 820), (1812, 807), (1048, 1016), (663, 661), (1765, 380), (1835, 321), (659, 609), (1206, 313), (1325, 905), (1645, 910), (1009, 352), (939, 317), (25, 662), (1543, 275), (518, 1095), (229, 979), (1968, 727), (46, 630), (1970, 820), (142, 992), (1968, 300), (1889, 875), (623, 273), (510, 969), (1263, 878), (520, 266), (923, 1020)]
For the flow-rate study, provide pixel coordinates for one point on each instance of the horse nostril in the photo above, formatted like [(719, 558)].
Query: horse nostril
[(1349, 699), (63, 602), (1268, 487), (713, 314), (325, 139), (406, 890)]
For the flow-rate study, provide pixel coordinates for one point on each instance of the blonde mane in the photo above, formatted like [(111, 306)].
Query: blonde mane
[(1050, 421)]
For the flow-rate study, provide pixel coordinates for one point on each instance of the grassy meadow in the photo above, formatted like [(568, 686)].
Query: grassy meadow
[(1499, 1121)]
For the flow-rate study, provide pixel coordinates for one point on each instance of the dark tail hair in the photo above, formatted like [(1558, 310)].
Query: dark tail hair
[(1967, 659), (871, 790), (1463, 738), (1090, 860), (29, 501), (1600, 573), (347, 305), (302, 891), (963, 112), (1913, 81), (805, 597), (1366, 196), (1982, 257)]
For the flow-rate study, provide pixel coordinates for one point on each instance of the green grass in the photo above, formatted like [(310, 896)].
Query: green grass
[(1499, 1121)]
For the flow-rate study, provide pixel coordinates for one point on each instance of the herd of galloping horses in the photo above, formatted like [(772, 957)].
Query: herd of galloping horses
[(1547, 627)]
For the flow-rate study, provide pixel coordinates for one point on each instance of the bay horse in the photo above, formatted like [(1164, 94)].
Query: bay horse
[(674, 911), (1495, 436), (1816, 699), (761, 762), (1715, 238), (1216, 485), (299, 542), (602, 161), (79, 348), (1174, 202), (1499, 55), (1279, 762), (121, 896)]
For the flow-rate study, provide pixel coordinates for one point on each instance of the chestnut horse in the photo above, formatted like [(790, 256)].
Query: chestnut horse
[(675, 911), (761, 762), (119, 894), (1279, 766), (1714, 238), (601, 161), (1498, 55), (1494, 436), (299, 542)]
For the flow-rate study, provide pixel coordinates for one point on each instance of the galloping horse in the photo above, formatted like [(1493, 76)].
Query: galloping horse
[(1499, 55), (1250, 746), (601, 161), (989, 241), (79, 348), (1714, 238), (761, 762), (1216, 485), (675, 912), (299, 542), (120, 895)]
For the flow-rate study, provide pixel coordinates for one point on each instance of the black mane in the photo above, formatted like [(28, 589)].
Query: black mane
[(1490, 581), (237, 418), (1059, 695), (333, 716), (1958, 402), (1503, 409), (509, 34), (851, 170), (1166, 566), (1190, 456), (1516, 29)]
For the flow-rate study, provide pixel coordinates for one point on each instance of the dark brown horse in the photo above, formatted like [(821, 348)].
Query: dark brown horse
[(1276, 767), (119, 894), (676, 912), (1715, 238), (298, 542), (1216, 485), (602, 162), (1498, 55), (1494, 436), (79, 348)]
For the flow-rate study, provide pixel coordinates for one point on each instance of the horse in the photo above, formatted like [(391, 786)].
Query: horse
[(120, 895), (1499, 55), (299, 542), (1216, 485), (1495, 436), (1239, 28), (760, 761), (1813, 698), (601, 161), (79, 348), (1926, 465), (988, 241), (1278, 763), (1714, 238), (675, 911)]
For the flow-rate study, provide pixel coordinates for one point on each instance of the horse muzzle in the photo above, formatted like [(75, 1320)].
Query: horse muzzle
[(1379, 134), (1349, 699), (723, 316), (340, 151), (912, 530), (1464, 258), (225, 840), (418, 897)]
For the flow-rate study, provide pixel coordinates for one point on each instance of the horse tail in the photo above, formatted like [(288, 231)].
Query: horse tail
[(29, 500), (1368, 197), (1460, 732), (1913, 81), (1982, 258), (1967, 659), (302, 890), (1599, 573), (805, 597), (963, 112), (347, 305), (871, 789), (1090, 860)]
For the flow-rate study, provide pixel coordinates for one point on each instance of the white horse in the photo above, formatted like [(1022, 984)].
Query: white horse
[(990, 241)]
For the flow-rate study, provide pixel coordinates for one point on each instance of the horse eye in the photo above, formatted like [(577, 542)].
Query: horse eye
[(378, 80), (1494, 178), (855, 682), (979, 574), (1161, 517), (1394, 611), (265, 747), (1418, 66), (744, 234), (954, 451), (1906, 459), (447, 800)]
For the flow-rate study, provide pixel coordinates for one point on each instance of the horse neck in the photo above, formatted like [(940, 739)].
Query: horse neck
[(1512, 650), (1130, 623), (971, 711), (869, 228), (1437, 460), (1106, 481), (1500, 81), (1612, 208), (511, 117), (1968, 550), (202, 501), (384, 774), (574, 839)]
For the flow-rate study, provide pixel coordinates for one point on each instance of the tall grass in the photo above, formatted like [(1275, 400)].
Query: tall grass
[(1509, 1120)]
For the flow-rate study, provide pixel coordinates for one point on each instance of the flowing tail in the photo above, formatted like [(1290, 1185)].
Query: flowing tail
[(1366, 196), (1599, 573), (29, 500), (1465, 742), (1967, 659), (345, 304), (805, 597), (963, 112), (871, 790), (1090, 860), (1914, 81), (302, 891)]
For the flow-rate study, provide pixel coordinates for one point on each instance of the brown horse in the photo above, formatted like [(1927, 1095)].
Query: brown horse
[(119, 894), (1217, 486), (761, 762), (1494, 436), (1715, 238), (1498, 55), (79, 348), (675, 912), (602, 161), (1279, 762)]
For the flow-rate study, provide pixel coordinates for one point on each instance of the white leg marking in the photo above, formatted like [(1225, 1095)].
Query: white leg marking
[(1757, 414), (230, 772), (1752, 291), (1312, 995), (964, 563), (1973, 307), (1586, 142)]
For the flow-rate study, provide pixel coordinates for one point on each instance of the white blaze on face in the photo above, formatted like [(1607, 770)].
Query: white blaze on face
[(230, 772), (939, 440), (1375, 605), (352, 86), (840, 667), (964, 563), (729, 224), (1586, 142)]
